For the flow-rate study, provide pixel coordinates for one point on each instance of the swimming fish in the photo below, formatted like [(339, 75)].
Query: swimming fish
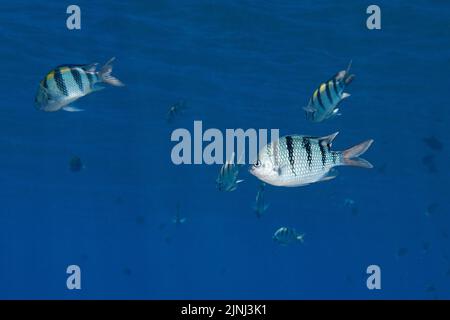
[(285, 236), (175, 109), (178, 219), (325, 101), (67, 83), (75, 164), (260, 204), (228, 176), (300, 160)]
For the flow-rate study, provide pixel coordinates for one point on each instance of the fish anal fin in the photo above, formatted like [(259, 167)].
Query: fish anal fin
[(71, 109), (309, 109), (330, 175)]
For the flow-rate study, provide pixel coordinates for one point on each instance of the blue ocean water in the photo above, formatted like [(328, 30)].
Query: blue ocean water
[(246, 64)]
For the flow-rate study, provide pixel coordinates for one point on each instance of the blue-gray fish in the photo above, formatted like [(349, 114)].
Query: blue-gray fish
[(285, 236), (178, 219), (325, 101), (300, 160), (228, 176), (67, 83), (260, 203)]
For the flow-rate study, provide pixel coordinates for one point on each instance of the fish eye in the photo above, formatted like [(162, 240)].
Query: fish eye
[(257, 164)]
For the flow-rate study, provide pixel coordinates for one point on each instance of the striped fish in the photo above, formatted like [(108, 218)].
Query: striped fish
[(228, 176), (300, 160), (325, 101), (67, 83), (285, 236)]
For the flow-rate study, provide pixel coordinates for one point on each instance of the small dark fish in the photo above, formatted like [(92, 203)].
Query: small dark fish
[(140, 220), (433, 143), (402, 252), (432, 209), (127, 271), (382, 168), (260, 205), (431, 288), (426, 246), (168, 239), (75, 164), (428, 161), (175, 109)]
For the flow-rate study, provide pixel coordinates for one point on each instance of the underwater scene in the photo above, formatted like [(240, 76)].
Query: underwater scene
[(213, 149)]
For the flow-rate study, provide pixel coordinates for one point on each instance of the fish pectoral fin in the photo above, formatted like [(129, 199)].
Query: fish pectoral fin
[(71, 109), (333, 173), (345, 95), (335, 113), (239, 181)]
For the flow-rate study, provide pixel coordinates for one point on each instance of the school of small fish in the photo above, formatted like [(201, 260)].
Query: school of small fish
[(291, 161)]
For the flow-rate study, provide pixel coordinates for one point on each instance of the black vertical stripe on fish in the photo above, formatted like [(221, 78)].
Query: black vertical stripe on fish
[(306, 144), (319, 98), (44, 83), (290, 148), (322, 152), (77, 77), (90, 78), (327, 89), (334, 156), (335, 86), (60, 82)]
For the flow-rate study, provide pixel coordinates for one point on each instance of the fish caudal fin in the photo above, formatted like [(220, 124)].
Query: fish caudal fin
[(105, 74), (350, 157)]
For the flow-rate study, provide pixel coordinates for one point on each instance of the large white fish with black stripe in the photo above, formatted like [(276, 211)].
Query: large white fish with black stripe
[(300, 160), (67, 83), (325, 101)]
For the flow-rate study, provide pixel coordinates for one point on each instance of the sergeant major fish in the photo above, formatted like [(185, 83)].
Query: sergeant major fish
[(260, 204), (67, 83), (324, 103), (300, 160), (285, 236), (228, 176)]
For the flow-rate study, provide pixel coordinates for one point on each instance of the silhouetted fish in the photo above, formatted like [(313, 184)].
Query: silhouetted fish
[(428, 161), (402, 252), (140, 220), (433, 143), (175, 109), (432, 209), (75, 164)]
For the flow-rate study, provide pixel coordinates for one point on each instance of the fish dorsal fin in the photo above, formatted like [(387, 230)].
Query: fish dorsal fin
[(328, 140), (90, 67)]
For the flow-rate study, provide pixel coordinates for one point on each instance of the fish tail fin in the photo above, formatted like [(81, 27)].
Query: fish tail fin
[(350, 157), (301, 238), (105, 74), (348, 77)]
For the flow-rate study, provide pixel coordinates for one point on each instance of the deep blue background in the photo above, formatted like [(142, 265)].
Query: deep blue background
[(247, 65)]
